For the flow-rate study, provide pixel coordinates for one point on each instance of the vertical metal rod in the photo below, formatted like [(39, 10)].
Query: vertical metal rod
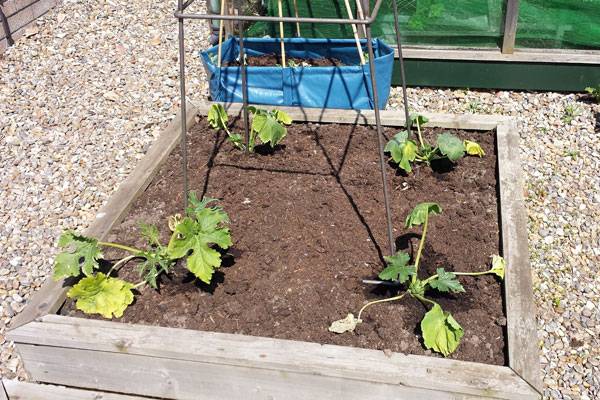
[(401, 58), (246, 120), (386, 199), (183, 111)]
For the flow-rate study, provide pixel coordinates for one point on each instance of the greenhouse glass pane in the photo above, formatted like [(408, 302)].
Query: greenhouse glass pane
[(472, 23), (559, 24)]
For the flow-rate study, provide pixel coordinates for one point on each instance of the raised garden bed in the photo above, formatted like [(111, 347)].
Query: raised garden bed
[(268, 291)]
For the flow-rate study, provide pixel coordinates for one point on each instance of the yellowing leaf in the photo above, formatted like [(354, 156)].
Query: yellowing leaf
[(498, 266), (473, 148), (402, 150), (217, 117), (101, 294), (440, 330), (347, 324)]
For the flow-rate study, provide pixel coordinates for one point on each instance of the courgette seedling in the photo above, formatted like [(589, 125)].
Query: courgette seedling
[(193, 239), (405, 151), (594, 92), (441, 332), (268, 126)]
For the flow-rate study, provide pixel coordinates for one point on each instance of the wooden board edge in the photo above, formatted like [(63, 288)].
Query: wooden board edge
[(51, 295), (388, 117), (519, 55), (523, 353), (282, 356), (20, 390), (3, 393)]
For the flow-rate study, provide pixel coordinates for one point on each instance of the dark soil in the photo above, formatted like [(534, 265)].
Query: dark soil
[(308, 224), (271, 60)]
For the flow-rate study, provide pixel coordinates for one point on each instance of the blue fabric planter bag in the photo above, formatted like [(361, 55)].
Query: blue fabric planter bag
[(347, 86)]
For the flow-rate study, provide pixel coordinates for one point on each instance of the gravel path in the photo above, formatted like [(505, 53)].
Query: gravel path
[(84, 97)]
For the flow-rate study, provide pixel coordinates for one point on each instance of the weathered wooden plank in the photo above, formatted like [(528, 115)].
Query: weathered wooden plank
[(18, 390), (510, 26), (3, 394), (12, 7), (20, 19), (290, 362), (523, 352), (50, 296), (388, 117), (560, 56), (176, 379)]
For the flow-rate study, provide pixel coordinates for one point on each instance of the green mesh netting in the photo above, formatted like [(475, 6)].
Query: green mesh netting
[(559, 24), (473, 23), (439, 22)]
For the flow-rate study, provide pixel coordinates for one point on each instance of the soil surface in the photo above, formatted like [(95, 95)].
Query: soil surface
[(271, 60), (308, 223)]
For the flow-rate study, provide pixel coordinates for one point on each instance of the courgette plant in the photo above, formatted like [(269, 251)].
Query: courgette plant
[(193, 239), (594, 92), (405, 151), (268, 126), (441, 332)]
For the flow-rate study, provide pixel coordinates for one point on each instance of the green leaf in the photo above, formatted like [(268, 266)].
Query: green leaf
[(197, 207), (154, 264), (217, 117), (196, 234), (498, 266), (100, 294), (269, 130), (450, 146), (150, 233), (397, 270), (418, 118), (440, 330), (446, 282), (418, 215), (237, 141), (402, 150), (79, 252), (473, 148), (282, 116)]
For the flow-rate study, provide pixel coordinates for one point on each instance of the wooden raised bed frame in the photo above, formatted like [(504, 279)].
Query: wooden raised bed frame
[(187, 364)]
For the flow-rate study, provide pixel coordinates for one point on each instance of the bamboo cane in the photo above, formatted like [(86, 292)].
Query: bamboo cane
[(281, 34), (220, 33), (296, 15), (361, 15), (356, 38)]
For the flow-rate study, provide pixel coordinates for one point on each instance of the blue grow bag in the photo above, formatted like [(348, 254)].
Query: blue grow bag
[(346, 87)]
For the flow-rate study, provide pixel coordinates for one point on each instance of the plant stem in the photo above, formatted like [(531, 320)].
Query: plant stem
[(473, 273), (120, 246), (120, 262), (137, 285), (423, 299), (419, 132), (380, 301), (420, 250)]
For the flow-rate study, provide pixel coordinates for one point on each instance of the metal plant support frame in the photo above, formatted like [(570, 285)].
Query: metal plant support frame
[(368, 19)]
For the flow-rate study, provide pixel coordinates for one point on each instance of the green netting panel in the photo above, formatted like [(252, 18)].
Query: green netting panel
[(559, 24), (440, 22)]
